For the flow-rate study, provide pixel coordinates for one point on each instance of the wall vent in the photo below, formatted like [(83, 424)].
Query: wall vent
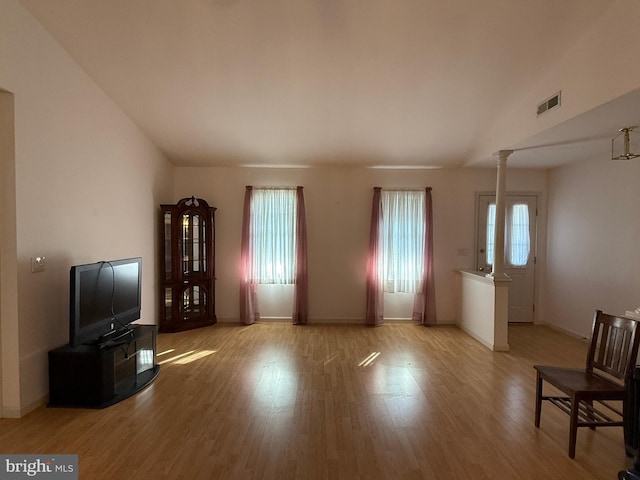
[(549, 103)]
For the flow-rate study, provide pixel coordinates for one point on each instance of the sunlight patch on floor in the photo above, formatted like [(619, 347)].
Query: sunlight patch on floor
[(369, 360)]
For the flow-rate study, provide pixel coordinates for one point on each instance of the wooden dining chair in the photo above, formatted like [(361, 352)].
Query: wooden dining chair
[(589, 392)]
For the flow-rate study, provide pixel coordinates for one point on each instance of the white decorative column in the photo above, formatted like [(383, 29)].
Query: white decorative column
[(497, 272), (500, 280), (483, 304)]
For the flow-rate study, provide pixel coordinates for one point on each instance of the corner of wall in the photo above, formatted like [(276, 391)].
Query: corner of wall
[(9, 345)]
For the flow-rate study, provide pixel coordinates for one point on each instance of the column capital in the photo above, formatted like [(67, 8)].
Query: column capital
[(503, 154)]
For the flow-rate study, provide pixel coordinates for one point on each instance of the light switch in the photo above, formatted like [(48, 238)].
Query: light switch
[(37, 264)]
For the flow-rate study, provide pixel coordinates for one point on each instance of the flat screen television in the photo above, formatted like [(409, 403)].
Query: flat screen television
[(105, 297)]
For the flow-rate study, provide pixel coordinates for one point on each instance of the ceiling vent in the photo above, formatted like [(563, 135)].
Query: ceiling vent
[(549, 103)]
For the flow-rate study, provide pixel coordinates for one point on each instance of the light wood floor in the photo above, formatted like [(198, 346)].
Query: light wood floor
[(277, 401)]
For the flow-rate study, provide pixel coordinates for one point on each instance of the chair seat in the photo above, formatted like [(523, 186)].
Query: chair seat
[(573, 381)]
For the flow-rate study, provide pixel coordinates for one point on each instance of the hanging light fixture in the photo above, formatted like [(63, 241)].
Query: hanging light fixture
[(623, 142)]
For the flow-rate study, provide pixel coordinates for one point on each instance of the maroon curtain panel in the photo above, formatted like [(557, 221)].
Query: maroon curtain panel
[(248, 295), (424, 305), (301, 287), (375, 297)]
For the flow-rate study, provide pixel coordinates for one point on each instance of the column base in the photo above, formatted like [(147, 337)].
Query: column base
[(498, 277)]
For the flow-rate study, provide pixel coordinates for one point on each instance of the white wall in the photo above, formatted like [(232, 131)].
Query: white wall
[(593, 251), (87, 183), (338, 207)]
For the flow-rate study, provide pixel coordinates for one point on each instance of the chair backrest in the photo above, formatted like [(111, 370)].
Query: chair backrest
[(613, 349)]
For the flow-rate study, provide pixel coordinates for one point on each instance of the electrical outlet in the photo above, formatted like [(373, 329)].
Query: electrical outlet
[(37, 264)]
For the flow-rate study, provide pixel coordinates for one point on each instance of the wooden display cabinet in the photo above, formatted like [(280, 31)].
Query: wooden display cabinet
[(187, 255)]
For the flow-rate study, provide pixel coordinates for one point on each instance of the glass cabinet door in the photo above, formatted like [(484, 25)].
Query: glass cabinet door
[(194, 302), (193, 238), (168, 269), (168, 303)]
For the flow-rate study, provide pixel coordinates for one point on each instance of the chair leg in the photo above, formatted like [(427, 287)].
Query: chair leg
[(590, 414), (573, 427), (627, 429), (538, 399)]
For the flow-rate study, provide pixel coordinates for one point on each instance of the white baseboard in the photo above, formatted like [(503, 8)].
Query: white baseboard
[(10, 412), (494, 348), (566, 331), (18, 412)]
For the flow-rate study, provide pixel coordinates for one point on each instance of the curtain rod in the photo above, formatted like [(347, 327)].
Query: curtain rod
[(404, 189), (274, 188)]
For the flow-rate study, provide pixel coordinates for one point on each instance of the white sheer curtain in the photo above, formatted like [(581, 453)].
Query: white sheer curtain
[(402, 240), (273, 236), (491, 225), (519, 240)]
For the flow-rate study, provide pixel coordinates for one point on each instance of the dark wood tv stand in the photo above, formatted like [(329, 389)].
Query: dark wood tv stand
[(96, 376)]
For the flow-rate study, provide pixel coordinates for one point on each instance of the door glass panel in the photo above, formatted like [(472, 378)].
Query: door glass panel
[(491, 241), (518, 234), (519, 239)]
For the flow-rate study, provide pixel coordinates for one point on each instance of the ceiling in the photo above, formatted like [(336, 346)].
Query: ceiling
[(321, 82)]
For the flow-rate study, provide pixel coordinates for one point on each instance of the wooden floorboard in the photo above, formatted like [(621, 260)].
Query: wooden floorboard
[(277, 401)]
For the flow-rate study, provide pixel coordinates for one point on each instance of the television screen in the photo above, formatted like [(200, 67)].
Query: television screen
[(104, 298)]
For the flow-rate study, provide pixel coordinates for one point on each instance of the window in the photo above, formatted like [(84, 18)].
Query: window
[(273, 250), (273, 236), (402, 240)]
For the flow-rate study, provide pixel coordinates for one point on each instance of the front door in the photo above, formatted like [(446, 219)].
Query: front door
[(519, 251)]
